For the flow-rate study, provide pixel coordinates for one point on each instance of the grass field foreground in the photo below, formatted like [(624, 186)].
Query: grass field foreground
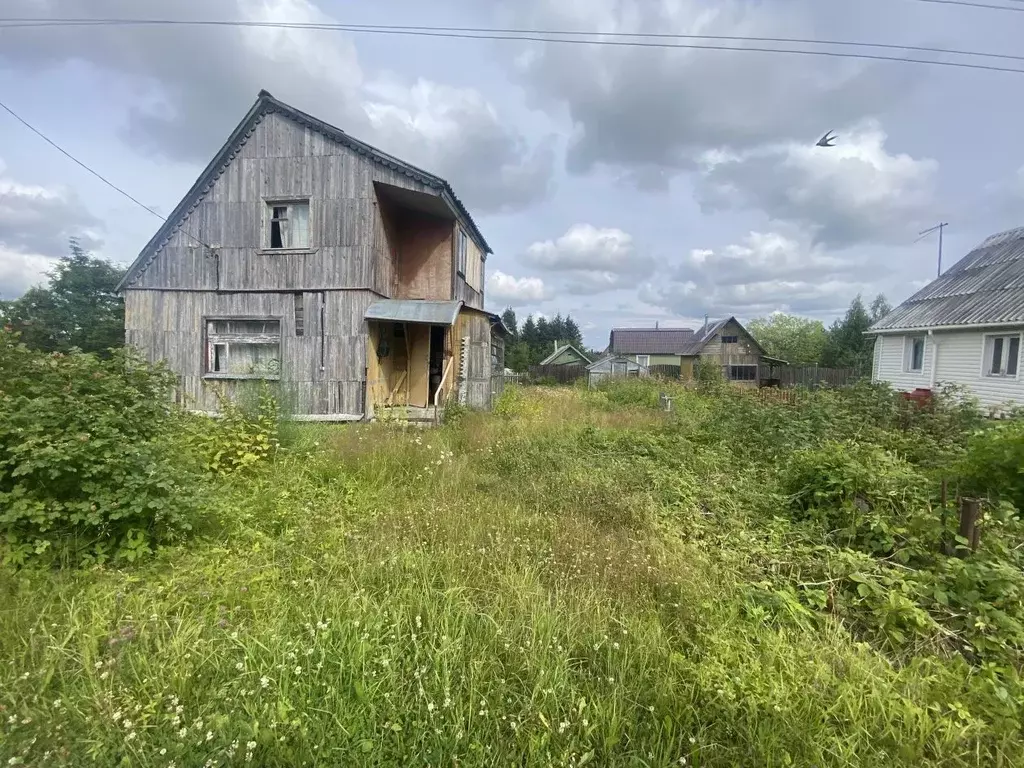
[(577, 579)]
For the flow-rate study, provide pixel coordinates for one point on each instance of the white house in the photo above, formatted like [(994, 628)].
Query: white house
[(963, 328)]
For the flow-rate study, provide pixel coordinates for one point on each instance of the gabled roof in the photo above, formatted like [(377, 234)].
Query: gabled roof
[(267, 104), (984, 288), (648, 341), (705, 335), (548, 360), (616, 359)]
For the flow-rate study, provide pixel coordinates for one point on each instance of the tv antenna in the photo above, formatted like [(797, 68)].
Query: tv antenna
[(925, 233)]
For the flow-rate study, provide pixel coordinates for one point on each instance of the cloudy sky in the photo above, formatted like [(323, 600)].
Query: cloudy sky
[(623, 185)]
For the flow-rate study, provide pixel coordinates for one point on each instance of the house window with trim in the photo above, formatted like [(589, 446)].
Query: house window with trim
[(287, 225), (1002, 355), (461, 251), (243, 348), (913, 354), (742, 373), (644, 360)]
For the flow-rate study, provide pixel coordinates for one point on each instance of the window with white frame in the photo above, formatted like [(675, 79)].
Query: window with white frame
[(913, 354), (644, 360), (1002, 355), (243, 348), (461, 251), (287, 225)]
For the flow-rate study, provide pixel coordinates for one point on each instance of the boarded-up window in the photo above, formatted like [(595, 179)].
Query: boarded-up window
[(244, 348), (287, 225), (300, 315)]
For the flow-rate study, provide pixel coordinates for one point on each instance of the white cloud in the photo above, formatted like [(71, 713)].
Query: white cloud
[(854, 192), (36, 223), (522, 290), (592, 259), (763, 273), (650, 111), (194, 83)]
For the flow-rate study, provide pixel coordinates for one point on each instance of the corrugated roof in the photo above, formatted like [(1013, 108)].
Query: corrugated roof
[(985, 287), (414, 311), (649, 341)]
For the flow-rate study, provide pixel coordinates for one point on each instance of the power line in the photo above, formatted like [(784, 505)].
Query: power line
[(560, 36), (78, 162), (970, 4), (395, 28)]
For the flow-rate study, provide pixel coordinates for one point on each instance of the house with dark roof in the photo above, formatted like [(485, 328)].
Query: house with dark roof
[(302, 255), (650, 346), (962, 328), (725, 344)]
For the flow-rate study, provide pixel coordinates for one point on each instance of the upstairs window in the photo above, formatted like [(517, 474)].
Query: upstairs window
[(243, 348), (913, 354), (730, 339), (1002, 354), (461, 251), (287, 225)]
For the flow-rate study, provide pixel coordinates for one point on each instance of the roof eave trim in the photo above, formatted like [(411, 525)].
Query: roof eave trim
[(209, 174), (954, 327)]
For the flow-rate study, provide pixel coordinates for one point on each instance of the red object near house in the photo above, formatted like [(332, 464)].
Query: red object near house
[(922, 398)]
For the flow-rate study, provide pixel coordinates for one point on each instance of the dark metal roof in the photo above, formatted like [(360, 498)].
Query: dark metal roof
[(267, 104), (414, 311), (985, 287), (649, 341)]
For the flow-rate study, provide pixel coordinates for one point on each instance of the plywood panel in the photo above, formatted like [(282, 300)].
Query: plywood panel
[(419, 364)]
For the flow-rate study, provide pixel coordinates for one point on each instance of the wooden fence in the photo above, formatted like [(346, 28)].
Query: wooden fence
[(813, 376)]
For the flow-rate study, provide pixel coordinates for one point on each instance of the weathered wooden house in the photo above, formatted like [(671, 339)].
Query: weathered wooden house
[(728, 346), (307, 257), (724, 344)]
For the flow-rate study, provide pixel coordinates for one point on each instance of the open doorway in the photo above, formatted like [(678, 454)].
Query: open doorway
[(437, 338)]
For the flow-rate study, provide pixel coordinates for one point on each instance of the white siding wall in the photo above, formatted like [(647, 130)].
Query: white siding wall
[(959, 362), (889, 366)]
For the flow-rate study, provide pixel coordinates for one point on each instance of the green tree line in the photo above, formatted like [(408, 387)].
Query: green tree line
[(78, 308), (534, 339), (801, 341)]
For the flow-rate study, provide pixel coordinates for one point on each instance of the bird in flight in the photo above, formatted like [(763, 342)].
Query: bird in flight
[(828, 140)]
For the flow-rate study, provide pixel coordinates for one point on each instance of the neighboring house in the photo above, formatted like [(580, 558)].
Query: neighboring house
[(304, 256), (565, 354), (650, 346), (962, 328), (726, 343), (614, 367), (729, 346)]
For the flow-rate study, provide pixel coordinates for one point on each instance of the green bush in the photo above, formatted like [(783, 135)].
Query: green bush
[(245, 433), (994, 463), (855, 489), (91, 464)]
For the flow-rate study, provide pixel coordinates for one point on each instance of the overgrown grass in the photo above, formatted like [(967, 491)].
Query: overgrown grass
[(576, 579)]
